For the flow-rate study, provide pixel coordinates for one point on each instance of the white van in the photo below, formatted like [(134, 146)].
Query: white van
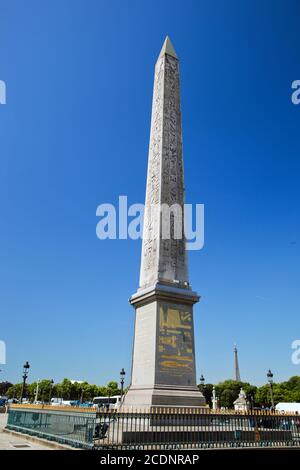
[(288, 407), (60, 402)]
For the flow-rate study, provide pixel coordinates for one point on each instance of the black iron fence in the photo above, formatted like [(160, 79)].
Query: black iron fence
[(167, 428), (157, 428)]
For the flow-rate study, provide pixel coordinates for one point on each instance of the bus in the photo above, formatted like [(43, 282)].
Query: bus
[(108, 402)]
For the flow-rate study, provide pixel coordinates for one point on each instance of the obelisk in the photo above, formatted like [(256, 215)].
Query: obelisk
[(163, 365)]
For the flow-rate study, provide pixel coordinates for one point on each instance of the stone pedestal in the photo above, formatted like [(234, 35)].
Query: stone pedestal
[(163, 368)]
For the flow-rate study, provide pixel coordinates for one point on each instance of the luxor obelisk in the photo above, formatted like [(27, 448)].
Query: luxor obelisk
[(163, 365)]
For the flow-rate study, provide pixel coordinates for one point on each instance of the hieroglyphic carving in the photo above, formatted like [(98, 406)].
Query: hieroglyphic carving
[(164, 259), (175, 346), (149, 264)]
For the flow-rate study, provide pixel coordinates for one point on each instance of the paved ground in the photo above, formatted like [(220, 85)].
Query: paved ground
[(9, 442)]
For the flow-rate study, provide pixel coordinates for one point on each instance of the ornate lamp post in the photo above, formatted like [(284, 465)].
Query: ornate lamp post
[(270, 380), (202, 382), (122, 375), (25, 375)]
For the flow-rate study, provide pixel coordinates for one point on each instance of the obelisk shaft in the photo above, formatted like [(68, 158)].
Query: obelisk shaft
[(165, 259)]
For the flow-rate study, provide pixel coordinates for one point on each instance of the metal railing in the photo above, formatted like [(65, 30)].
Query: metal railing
[(65, 425), (156, 428), (184, 428)]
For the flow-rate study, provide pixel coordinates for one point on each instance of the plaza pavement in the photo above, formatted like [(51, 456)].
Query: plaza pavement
[(12, 442)]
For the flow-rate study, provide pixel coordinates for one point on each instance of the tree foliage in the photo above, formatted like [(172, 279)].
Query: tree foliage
[(207, 390), (4, 386), (228, 391), (66, 390)]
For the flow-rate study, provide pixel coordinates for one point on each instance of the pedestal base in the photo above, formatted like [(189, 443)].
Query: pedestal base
[(163, 367), (164, 396)]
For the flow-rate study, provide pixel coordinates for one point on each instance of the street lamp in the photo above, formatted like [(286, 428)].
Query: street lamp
[(202, 381), (270, 380), (122, 375), (50, 390), (26, 367)]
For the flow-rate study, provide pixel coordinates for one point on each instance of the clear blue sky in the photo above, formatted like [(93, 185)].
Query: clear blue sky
[(74, 134)]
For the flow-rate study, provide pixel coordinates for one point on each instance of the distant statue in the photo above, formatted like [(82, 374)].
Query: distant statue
[(214, 399), (241, 403)]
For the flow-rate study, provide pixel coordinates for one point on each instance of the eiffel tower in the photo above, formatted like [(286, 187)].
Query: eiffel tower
[(237, 376)]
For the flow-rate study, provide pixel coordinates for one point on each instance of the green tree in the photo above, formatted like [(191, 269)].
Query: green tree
[(283, 392), (14, 391), (44, 388), (292, 387), (263, 396), (112, 388), (228, 391), (101, 391), (207, 390), (294, 383), (227, 398), (4, 386), (65, 389)]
